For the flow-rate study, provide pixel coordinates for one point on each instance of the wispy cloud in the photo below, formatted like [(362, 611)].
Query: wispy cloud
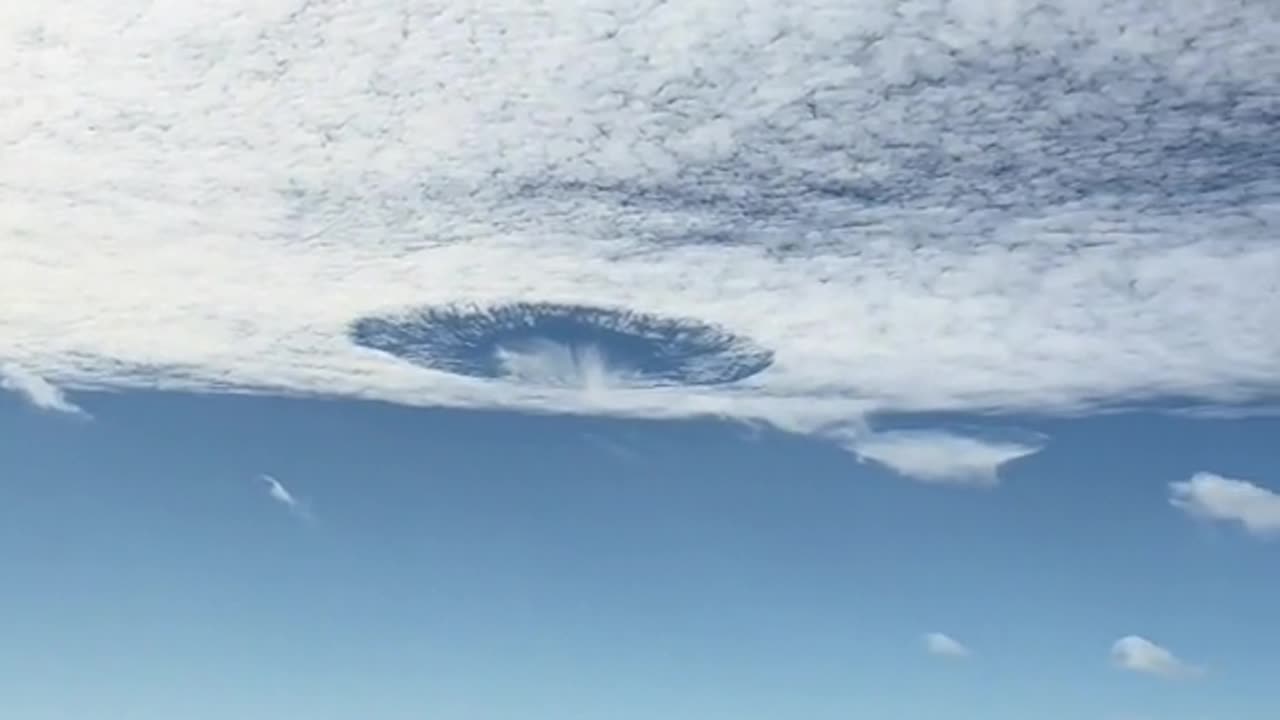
[(553, 364), (839, 182), (36, 390), (281, 494), (936, 456), (945, 646), (1140, 655), (1214, 497)]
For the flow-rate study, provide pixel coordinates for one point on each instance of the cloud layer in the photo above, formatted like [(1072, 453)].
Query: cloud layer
[(1218, 498), (917, 206)]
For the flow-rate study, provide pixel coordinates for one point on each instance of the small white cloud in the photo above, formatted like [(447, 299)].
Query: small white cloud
[(944, 646), (1138, 654), (281, 494), (935, 456), (36, 390), (1219, 498)]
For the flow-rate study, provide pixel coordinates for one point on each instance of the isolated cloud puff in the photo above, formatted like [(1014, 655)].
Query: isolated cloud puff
[(936, 456), (1140, 655), (924, 206), (944, 646), (36, 390), (1219, 498)]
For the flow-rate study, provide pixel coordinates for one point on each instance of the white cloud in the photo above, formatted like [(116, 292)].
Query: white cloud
[(935, 456), (278, 491), (1140, 655), (36, 390), (281, 494), (944, 646), (1215, 497), (207, 197)]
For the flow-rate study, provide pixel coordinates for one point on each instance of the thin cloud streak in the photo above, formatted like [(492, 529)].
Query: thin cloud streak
[(281, 494)]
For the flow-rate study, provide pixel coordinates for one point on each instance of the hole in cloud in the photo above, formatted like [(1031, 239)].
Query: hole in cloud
[(564, 345)]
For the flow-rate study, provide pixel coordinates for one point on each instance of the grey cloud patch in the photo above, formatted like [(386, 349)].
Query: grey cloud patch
[(1026, 206), (997, 130), (821, 118)]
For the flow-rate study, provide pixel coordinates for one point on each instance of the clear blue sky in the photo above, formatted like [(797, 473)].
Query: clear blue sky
[(476, 565)]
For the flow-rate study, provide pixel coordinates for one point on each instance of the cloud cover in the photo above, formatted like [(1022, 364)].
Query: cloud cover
[(916, 205)]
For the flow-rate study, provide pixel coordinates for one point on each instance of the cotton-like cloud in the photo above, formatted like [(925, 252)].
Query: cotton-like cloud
[(935, 456), (944, 646), (1138, 654), (933, 206), (1219, 498), (36, 390)]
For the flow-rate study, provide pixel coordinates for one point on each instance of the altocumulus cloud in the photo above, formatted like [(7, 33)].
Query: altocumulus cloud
[(928, 206), (1218, 498)]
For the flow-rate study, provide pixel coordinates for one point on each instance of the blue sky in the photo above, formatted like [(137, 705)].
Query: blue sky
[(495, 565), (471, 360)]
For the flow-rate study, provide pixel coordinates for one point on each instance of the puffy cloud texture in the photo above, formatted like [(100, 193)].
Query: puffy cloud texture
[(1028, 205)]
